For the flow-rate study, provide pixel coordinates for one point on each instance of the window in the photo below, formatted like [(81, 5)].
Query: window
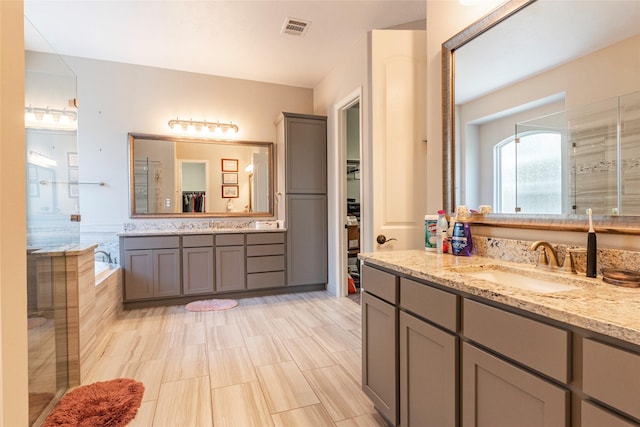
[(528, 174)]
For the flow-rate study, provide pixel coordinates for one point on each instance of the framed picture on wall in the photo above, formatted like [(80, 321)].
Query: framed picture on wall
[(74, 190), (229, 191), (229, 165), (229, 178), (73, 174), (72, 159)]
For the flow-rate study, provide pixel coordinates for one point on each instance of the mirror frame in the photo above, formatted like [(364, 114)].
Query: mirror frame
[(269, 145), (616, 224)]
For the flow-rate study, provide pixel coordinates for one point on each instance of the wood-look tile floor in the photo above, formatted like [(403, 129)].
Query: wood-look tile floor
[(286, 360)]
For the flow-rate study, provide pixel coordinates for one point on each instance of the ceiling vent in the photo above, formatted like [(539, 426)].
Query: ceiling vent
[(295, 27)]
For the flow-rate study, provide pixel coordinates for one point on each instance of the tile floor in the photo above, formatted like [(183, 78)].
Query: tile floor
[(286, 360)]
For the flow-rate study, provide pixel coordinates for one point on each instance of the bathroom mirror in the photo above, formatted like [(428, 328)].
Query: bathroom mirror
[(492, 72), (172, 176)]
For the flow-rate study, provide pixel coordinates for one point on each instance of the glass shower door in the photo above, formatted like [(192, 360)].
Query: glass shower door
[(52, 209)]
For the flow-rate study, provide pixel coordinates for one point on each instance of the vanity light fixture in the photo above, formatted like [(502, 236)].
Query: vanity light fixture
[(218, 129), (50, 118)]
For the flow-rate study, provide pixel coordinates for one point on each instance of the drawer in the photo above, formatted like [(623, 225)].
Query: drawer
[(433, 304), (265, 280), (379, 283), (595, 416), (540, 346), (264, 238), (262, 250), (151, 242), (265, 263), (611, 375), (230, 240), (200, 240)]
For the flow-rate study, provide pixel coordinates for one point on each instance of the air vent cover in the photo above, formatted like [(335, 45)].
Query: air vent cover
[(295, 27)]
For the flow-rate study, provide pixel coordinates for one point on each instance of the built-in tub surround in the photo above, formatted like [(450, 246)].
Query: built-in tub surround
[(92, 302), (595, 306)]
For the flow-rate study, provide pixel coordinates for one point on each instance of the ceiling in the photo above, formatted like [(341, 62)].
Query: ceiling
[(542, 36), (240, 39)]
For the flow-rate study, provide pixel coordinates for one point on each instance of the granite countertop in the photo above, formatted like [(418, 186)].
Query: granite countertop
[(597, 306), (177, 232)]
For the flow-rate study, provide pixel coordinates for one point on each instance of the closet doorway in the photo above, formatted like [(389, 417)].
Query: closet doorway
[(353, 193), (193, 182)]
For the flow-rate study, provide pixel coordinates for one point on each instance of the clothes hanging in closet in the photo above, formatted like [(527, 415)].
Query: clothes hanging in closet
[(193, 201)]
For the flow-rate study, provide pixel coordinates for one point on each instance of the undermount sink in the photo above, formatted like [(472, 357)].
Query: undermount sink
[(516, 278)]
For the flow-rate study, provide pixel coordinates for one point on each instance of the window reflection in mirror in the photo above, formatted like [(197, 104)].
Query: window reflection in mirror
[(174, 176), (579, 64)]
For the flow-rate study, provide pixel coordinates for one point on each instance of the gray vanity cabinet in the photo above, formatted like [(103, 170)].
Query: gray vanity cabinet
[(304, 142), (615, 383), (152, 267), (380, 341), (198, 265), (497, 393), (230, 264), (307, 239), (428, 355), (265, 260)]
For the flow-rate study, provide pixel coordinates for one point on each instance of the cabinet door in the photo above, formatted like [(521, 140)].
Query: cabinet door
[(306, 148), (496, 393), (138, 274), (596, 416), (167, 272), (379, 355), (428, 369), (306, 239), (229, 268), (197, 270)]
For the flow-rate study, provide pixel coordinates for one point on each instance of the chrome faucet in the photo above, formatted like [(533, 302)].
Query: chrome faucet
[(106, 254), (548, 256)]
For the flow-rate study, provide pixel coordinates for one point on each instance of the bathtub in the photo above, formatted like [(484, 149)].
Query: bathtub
[(103, 270)]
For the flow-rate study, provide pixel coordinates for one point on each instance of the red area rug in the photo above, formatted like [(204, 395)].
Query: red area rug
[(211, 305), (110, 403)]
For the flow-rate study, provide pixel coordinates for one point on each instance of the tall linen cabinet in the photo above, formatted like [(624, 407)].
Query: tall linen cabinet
[(302, 150)]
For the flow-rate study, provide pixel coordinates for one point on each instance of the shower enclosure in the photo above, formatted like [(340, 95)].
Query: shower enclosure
[(52, 215)]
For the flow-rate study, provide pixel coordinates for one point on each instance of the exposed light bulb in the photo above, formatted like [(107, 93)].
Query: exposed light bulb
[(218, 131), (29, 116), (64, 119), (177, 127), (231, 131), (191, 128), (47, 117), (205, 129)]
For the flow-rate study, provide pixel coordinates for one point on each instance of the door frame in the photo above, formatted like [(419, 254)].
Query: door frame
[(338, 258)]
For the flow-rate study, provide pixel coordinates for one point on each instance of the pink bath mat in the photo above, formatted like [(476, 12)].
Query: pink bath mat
[(211, 305)]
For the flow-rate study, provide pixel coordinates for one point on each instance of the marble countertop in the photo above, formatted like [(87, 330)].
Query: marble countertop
[(595, 305)]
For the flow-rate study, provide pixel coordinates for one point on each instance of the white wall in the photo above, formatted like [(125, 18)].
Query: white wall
[(348, 77), (119, 98), (13, 277)]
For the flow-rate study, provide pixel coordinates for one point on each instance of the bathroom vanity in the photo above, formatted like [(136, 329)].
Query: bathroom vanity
[(444, 347), (163, 268)]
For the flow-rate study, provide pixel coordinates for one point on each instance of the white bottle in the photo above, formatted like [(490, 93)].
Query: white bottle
[(441, 231)]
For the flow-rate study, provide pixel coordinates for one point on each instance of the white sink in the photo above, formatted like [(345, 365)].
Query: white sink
[(515, 278)]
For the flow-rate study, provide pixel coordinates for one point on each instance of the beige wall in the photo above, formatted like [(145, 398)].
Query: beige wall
[(118, 98), (13, 280)]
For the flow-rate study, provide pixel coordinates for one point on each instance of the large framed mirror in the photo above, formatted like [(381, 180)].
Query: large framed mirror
[(173, 176), (493, 76)]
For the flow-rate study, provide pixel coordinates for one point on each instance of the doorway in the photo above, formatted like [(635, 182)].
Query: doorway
[(347, 216), (352, 116)]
